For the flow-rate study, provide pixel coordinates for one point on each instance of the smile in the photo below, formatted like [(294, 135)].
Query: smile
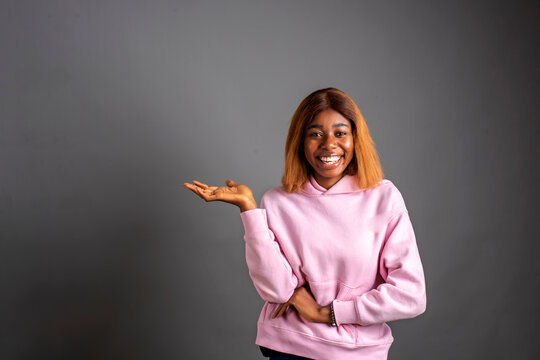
[(329, 162)]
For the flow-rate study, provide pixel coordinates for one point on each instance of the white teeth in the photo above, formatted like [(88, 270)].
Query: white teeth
[(330, 159)]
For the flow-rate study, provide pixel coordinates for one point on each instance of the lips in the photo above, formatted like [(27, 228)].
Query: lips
[(329, 159), (330, 162)]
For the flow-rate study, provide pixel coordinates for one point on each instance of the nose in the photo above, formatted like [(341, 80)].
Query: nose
[(329, 142)]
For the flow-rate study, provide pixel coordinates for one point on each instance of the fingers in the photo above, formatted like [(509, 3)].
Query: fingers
[(280, 310), (195, 187), (227, 194), (206, 194), (204, 186), (198, 183), (191, 187)]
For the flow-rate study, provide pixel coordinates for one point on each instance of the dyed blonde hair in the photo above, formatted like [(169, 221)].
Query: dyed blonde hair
[(365, 164)]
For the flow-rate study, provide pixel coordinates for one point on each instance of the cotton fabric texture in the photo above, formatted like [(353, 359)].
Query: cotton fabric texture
[(354, 248)]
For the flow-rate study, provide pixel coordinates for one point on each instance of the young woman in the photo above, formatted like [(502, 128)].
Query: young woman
[(332, 251)]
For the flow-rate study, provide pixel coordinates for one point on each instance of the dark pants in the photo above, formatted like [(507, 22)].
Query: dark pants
[(276, 355), (286, 357)]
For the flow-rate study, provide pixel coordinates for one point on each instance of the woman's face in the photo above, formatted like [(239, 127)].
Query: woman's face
[(329, 146)]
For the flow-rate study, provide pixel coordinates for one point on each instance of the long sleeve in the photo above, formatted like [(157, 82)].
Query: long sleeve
[(268, 267), (403, 294)]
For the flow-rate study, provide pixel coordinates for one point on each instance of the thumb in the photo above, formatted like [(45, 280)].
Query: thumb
[(230, 183)]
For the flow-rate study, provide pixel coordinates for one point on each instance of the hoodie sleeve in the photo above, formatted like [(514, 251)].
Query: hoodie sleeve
[(403, 294), (268, 267)]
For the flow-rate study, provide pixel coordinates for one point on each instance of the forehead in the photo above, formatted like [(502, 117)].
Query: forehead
[(329, 117)]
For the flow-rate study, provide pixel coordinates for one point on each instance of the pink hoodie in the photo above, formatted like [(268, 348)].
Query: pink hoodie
[(355, 248)]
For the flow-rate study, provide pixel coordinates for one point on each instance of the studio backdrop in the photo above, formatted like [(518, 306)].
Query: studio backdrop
[(107, 107)]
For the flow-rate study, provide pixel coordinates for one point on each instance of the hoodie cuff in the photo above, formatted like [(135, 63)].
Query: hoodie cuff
[(345, 312), (254, 221)]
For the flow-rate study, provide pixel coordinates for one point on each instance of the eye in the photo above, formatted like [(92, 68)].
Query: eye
[(341, 133), (315, 134)]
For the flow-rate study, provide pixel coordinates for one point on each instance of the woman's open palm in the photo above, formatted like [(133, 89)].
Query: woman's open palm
[(236, 194)]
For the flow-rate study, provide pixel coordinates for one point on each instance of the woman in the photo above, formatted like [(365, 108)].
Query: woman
[(332, 251)]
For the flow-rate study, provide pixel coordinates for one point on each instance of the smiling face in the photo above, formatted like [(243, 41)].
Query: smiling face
[(329, 146)]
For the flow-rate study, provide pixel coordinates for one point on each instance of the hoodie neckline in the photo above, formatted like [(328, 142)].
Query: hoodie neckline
[(346, 184)]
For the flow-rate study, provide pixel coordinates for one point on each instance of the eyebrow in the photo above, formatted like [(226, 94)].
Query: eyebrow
[(320, 126)]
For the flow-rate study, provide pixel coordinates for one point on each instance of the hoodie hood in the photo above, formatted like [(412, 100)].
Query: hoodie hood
[(345, 185)]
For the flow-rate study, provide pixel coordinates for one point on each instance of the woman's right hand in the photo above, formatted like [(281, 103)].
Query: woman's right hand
[(236, 194)]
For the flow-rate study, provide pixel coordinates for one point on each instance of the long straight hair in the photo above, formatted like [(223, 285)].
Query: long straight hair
[(365, 164)]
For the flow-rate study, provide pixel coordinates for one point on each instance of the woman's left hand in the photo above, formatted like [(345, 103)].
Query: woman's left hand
[(302, 300)]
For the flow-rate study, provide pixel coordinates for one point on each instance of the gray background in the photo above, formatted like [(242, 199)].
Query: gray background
[(107, 107)]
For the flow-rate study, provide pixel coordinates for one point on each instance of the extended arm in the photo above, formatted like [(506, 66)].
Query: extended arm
[(269, 269), (403, 295)]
